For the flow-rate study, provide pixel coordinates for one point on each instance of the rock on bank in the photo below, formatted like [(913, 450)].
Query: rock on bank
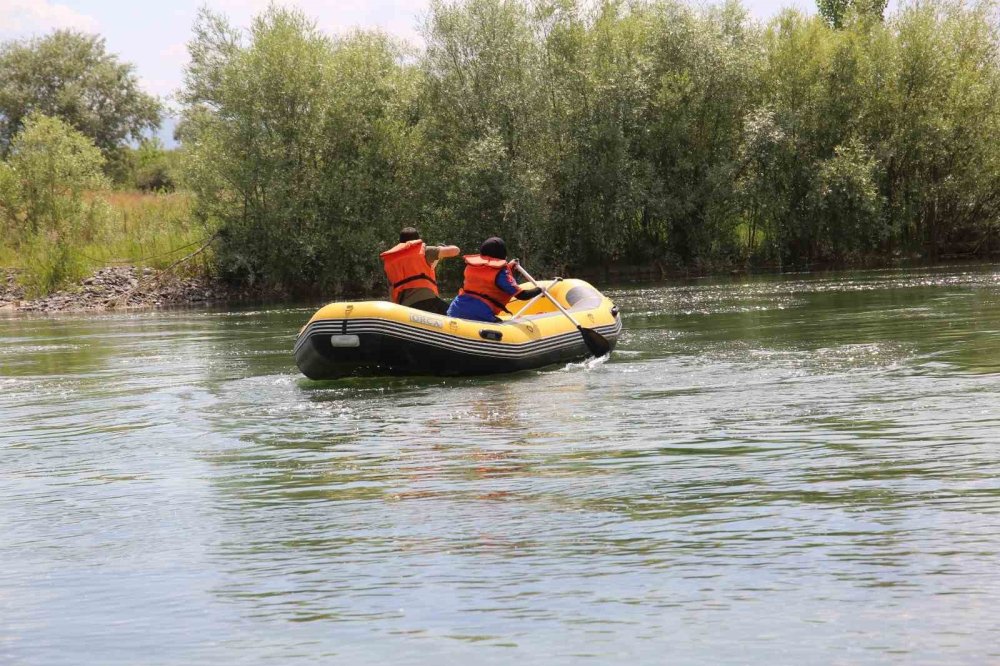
[(114, 288)]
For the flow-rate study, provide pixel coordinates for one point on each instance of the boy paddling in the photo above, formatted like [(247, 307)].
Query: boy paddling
[(410, 269)]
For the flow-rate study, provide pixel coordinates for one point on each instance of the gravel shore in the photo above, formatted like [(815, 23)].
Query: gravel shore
[(116, 288)]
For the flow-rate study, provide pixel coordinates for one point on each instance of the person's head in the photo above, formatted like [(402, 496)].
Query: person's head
[(493, 247), (408, 234)]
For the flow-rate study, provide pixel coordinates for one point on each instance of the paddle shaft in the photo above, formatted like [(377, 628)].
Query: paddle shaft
[(548, 295), (525, 307), (595, 341)]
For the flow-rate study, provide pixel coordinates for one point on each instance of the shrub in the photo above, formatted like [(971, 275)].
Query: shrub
[(53, 164)]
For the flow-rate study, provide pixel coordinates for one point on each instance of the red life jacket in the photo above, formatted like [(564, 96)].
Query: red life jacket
[(407, 268), (480, 281)]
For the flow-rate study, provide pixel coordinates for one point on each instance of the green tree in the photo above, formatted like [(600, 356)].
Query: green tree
[(708, 68), (648, 132), (844, 205), (765, 164), (155, 168), (942, 92), (300, 147), (53, 164), (50, 167), (71, 76), (837, 12), (484, 118), (599, 75)]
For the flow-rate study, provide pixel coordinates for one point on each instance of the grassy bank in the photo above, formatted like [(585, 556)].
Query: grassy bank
[(116, 228)]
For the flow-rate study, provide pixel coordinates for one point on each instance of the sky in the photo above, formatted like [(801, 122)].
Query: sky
[(153, 35)]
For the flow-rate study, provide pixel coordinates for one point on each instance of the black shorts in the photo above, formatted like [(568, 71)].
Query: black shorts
[(435, 305)]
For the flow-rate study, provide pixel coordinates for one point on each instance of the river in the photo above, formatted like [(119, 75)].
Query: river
[(796, 469)]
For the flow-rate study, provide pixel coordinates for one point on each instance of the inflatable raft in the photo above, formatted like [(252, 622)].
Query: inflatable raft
[(379, 337)]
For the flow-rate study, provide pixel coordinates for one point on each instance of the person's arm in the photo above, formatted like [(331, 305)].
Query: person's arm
[(435, 253), (505, 280), (527, 294), (441, 252)]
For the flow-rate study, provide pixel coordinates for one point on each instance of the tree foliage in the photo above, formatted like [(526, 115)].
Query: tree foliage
[(49, 167), (839, 12), (42, 186), (300, 147), (149, 167), (71, 76), (647, 132)]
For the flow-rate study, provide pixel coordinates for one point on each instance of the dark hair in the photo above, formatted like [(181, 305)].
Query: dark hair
[(408, 234), (493, 247)]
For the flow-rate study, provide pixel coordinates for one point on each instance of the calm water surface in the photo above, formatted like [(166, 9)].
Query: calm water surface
[(780, 470)]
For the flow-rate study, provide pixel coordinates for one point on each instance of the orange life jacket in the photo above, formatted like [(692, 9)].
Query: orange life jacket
[(480, 281), (407, 268)]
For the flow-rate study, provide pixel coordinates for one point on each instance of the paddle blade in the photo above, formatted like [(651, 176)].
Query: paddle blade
[(596, 343)]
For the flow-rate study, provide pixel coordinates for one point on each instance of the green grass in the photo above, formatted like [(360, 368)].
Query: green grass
[(145, 230), (118, 228)]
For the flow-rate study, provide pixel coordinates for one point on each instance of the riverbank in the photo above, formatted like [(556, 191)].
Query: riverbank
[(131, 287), (120, 287)]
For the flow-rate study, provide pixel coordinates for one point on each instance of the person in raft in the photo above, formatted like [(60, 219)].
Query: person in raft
[(410, 269), (489, 284)]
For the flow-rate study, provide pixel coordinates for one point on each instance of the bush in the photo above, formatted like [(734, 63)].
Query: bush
[(156, 169), (53, 165), (58, 222), (49, 168), (149, 167)]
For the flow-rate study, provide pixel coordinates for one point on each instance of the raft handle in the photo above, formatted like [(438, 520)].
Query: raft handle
[(345, 341), (487, 334)]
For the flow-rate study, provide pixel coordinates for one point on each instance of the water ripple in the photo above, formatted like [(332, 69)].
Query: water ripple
[(809, 462)]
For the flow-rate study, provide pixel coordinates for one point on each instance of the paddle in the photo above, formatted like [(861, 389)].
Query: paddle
[(596, 342)]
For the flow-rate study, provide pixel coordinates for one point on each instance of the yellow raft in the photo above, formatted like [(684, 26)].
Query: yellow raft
[(379, 337)]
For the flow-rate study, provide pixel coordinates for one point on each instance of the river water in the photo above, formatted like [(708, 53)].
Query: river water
[(803, 469)]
